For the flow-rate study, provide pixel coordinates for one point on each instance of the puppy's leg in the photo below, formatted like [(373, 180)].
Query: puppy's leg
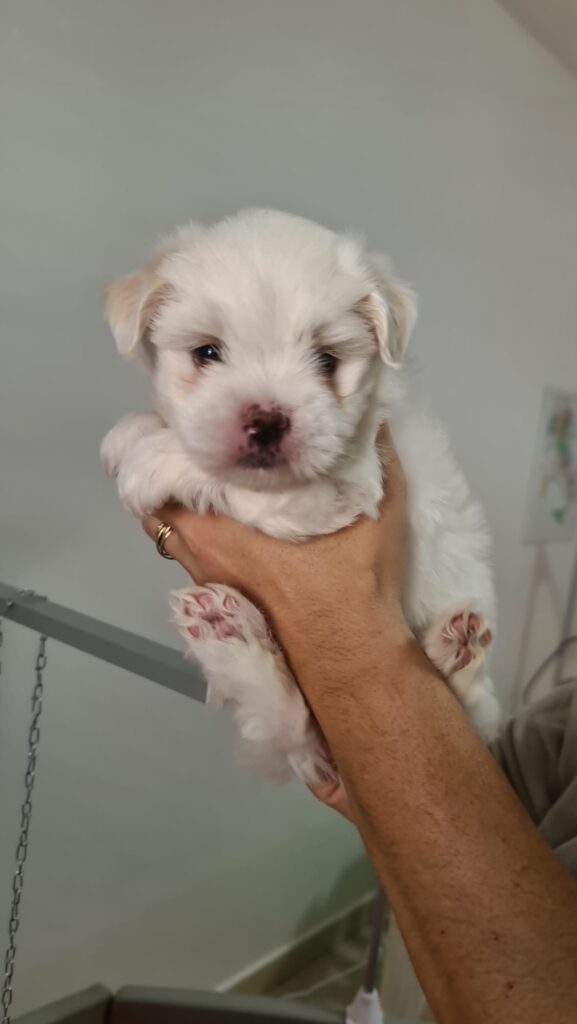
[(123, 436), (474, 688), (456, 646), (244, 667), (156, 469)]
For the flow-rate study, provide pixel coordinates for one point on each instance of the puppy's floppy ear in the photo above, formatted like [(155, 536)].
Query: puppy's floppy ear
[(391, 308), (131, 305)]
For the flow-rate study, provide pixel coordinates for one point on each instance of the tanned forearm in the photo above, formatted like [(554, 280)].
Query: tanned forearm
[(488, 915)]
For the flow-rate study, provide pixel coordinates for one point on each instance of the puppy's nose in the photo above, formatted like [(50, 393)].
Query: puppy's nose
[(265, 428)]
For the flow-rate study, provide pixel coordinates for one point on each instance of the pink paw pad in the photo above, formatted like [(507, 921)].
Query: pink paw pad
[(207, 614), (462, 635), (224, 629)]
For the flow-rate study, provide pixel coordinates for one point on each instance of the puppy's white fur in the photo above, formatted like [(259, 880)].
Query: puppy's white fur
[(271, 293)]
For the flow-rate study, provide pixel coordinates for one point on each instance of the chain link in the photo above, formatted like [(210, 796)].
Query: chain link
[(25, 815)]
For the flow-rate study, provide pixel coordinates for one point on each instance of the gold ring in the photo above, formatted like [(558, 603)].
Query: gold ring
[(163, 532)]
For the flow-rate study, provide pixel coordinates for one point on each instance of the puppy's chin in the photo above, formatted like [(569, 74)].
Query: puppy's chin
[(264, 470), (252, 476), (262, 473)]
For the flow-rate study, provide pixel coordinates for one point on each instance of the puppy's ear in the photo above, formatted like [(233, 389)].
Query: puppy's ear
[(132, 302), (391, 308)]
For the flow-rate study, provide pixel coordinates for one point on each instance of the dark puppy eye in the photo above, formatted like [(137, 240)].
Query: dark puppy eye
[(205, 354), (327, 363)]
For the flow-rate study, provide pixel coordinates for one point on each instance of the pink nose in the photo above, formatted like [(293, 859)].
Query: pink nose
[(264, 429)]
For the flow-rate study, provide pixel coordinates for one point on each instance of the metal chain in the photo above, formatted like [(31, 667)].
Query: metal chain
[(25, 816)]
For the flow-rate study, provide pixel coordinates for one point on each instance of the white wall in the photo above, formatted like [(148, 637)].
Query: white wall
[(443, 130)]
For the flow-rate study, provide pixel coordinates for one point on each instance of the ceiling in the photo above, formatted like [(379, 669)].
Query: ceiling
[(553, 23)]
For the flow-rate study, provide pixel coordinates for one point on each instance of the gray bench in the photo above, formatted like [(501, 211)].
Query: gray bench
[(140, 1005)]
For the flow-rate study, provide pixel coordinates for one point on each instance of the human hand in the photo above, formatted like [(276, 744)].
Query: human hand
[(334, 795)]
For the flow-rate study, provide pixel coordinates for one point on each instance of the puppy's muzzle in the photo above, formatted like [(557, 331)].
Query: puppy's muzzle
[(264, 431), (265, 428)]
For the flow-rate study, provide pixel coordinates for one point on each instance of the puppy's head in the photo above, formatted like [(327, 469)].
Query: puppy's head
[(268, 339)]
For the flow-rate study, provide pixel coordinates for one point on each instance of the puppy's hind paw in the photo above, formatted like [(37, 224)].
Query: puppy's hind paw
[(457, 642), (207, 613), (312, 763)]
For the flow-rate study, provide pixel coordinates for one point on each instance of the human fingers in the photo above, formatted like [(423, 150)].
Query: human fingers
[(175, 545), (333, 794)]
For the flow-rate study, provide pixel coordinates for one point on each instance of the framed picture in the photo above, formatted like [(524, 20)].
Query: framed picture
[(552, 498)]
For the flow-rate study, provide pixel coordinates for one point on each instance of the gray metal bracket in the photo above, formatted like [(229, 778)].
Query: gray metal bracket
[(146, 658)]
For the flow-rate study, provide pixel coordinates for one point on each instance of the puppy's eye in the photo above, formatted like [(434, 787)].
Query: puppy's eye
[(205, 354), (327, 363)]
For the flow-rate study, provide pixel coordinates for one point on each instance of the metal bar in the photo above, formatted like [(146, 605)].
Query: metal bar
[(371, 977), (145, 658)]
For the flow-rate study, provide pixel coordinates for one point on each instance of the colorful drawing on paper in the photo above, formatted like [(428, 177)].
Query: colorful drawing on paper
[(552, 504)]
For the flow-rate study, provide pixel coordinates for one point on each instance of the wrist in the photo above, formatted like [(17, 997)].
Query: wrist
[(343, 644)]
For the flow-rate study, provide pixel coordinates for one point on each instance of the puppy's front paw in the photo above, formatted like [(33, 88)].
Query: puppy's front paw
[(153, 472), (139, 496), (112, 451), (118, 441)]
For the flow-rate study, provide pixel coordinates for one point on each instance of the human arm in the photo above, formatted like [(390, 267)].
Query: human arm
[(488, 915)]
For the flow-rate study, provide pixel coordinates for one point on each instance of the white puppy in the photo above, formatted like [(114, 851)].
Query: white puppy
[(274, 348)]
